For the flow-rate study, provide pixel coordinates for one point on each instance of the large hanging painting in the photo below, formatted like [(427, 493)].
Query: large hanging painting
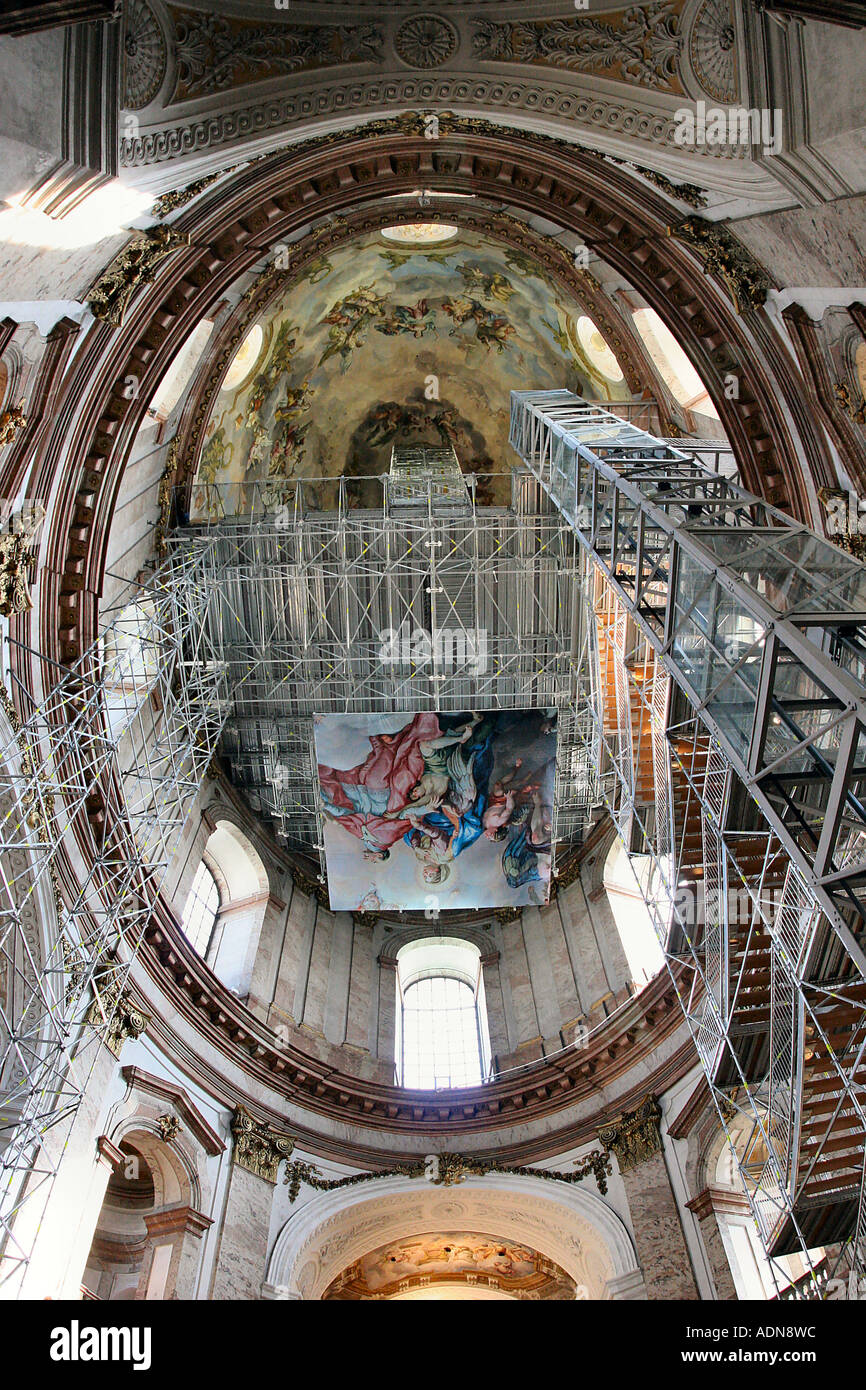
[(436, 811)]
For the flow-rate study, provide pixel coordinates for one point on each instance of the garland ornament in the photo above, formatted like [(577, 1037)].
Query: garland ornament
[(449, 1169)]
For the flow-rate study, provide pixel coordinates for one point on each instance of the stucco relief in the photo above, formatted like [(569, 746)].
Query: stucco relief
[(576, 1230)]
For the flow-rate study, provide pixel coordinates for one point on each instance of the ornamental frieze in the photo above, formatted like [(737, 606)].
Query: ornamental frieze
[(215, 53), (640, 45)]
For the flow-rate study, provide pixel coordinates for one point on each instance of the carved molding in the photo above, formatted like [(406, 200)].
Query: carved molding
[(169, 1092), (281, 111), (258, 1147), (635, 1136)]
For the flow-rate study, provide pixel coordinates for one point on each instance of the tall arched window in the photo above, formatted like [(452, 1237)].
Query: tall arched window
[(442, 1037), (201, 909)]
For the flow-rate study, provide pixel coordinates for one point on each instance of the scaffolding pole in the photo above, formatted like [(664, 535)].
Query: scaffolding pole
[(96, 783)]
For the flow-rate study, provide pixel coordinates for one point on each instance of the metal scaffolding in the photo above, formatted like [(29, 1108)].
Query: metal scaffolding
[(96, 782), (425, 601), (728, 716)]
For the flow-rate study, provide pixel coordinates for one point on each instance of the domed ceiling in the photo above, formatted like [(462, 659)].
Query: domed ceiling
[(387, 342)]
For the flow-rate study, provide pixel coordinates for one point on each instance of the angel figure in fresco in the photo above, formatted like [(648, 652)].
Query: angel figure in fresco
[(504, 803), (349, 321), (490, 329), (442, 832), (416, 319), (478, 281), (285, 350), (526, 857), (215, 459), (287, 450)]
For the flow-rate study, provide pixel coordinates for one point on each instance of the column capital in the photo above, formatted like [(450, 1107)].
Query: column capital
[(257, 1146), (635, 1136), (721, 1201)]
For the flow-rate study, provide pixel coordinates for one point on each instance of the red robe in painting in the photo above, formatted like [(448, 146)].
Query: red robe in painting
[(394, 762)]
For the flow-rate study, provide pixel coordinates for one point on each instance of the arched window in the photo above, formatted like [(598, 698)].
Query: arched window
[(442, 1037), (225, 908), (201, 910)]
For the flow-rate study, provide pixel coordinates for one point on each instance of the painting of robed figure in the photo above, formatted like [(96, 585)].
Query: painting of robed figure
[(431, 811)]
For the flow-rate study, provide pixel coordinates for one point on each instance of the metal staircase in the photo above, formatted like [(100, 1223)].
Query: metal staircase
[(757, 748)]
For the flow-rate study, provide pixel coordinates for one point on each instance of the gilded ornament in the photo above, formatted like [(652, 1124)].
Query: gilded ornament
[(635, 1136), (168, 1126), (258, 1147), (449, 1169), (11, 422), (133, 266), (114, 1013), (725, 257)]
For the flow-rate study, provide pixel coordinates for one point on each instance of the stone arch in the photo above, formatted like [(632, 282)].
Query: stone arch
[(571, 1226)]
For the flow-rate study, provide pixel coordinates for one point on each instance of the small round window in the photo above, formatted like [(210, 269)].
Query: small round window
[(244, 359)]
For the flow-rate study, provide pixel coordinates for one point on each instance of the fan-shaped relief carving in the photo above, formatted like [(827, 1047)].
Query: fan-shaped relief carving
[(713, 50), (425, 41), (145, 56)]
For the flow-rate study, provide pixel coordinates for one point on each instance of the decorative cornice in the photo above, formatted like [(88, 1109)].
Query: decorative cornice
[(167, 1091), (258, 1147), (635, 1136), (177, 1221), (719, 1201)]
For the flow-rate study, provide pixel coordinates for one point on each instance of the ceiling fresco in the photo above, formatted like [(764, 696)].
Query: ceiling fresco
[(442, 1258), (378, 344)]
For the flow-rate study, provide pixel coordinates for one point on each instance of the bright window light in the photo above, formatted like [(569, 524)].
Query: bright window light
[(442, 1039), (200, 912)]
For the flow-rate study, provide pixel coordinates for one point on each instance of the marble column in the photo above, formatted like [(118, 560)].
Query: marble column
[(243, 1249), (635, 1142), (707, 1207)]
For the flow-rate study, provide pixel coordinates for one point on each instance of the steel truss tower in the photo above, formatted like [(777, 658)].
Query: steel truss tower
[(727, 656), (96, 781), (425, 601)]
